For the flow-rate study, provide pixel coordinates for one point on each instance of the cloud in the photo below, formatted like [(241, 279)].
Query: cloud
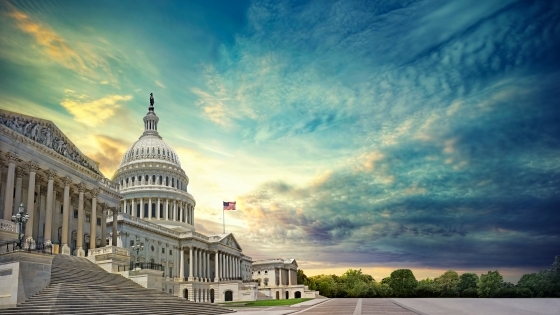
[(53, 45), (156, 82), (92, 112), (84, 58), (109, 152)]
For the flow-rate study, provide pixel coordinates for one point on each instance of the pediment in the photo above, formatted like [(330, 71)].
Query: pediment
[(230, 241), (46, 133)]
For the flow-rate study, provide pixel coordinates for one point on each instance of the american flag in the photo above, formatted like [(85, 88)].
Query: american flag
[(229, 205)]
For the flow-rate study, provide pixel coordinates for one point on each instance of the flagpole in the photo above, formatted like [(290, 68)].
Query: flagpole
[(224, 219)]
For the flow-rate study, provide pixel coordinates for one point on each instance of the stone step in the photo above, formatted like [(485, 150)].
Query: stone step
[(78, 286)]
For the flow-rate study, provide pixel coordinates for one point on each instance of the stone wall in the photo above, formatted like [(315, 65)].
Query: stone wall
[(22, 275)]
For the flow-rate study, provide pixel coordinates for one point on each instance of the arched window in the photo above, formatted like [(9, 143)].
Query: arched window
[(145, 210), (153, 210), (142, 150), (161, 210), (146, 180), (158, 152), (153, 179), (160, 180), (138, 210), (228, 296), (166, 180), (265, 282)]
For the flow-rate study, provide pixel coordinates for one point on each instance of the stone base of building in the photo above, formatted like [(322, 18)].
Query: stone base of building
[(110, 258), (285, 292), (23, 275)]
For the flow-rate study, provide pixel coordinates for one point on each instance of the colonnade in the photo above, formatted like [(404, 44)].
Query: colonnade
[(291, 275), (141, 180), (227, 266), (70, 191), (201, 295), (165, 209)]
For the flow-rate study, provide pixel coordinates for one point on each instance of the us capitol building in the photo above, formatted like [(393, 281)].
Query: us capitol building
[(72, 208)]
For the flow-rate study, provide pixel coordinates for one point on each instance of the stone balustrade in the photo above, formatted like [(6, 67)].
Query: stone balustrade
[(9, 226)]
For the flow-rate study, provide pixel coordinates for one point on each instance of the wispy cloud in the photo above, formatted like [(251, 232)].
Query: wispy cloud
[(92, 112)]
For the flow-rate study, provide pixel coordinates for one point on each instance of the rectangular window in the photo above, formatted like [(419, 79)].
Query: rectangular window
[(107, 242), (98, 221), (163, 250), (88, 218), (75, 213), (131, 243), (170, 273), (170, 252), (61, 209)]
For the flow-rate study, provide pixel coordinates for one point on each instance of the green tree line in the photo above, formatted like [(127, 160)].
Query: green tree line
[(402, 283)]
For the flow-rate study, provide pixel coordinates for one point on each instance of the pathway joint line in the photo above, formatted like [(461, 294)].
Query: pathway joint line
[(407, 307), (358, 310), (304, 310)]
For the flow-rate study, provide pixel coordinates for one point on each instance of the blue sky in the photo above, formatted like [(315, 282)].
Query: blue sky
[(353, 134)]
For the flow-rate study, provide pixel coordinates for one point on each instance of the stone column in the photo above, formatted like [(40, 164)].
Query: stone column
[(203, 264), (19, 180), (158, 207), (290, 276), (228, 275), (125, 208), (80, 230), (195, 261), (149, 208), (93, 222), (208, 266), (9, 201), (141, 208), (216, 267), (280, 273), (133, 210), (174, 209), (103, 225), (41, 191), (66, 216), (47, 233), (31, 203), (115, 222), (182, 265), (166, 208), (191, 277)]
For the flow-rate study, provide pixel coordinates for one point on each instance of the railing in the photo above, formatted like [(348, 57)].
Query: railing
[(9, 226), (141, 265), (43, 248)]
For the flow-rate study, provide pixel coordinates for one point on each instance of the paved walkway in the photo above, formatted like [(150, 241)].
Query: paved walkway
[(547, 306), (436, 306)]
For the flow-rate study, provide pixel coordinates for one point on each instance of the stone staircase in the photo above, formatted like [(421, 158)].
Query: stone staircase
[(261, 296), (79, 286)]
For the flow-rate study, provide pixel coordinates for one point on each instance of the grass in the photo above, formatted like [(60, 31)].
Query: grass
[(266, 302)]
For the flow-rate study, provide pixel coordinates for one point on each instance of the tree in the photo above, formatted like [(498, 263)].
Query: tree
[(356, 284), (301, 277), (383, 290), (467, 281), (427, 288), (447, 283), (326, 285), (490, 284), (403, 283)]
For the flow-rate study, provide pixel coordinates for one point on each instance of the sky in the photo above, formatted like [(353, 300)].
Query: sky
[(371, 135)]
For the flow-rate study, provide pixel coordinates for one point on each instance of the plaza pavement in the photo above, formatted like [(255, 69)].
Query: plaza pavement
[(398, 306)]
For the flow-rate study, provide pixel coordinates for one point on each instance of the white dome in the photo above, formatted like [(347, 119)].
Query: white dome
[(150, 147)]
